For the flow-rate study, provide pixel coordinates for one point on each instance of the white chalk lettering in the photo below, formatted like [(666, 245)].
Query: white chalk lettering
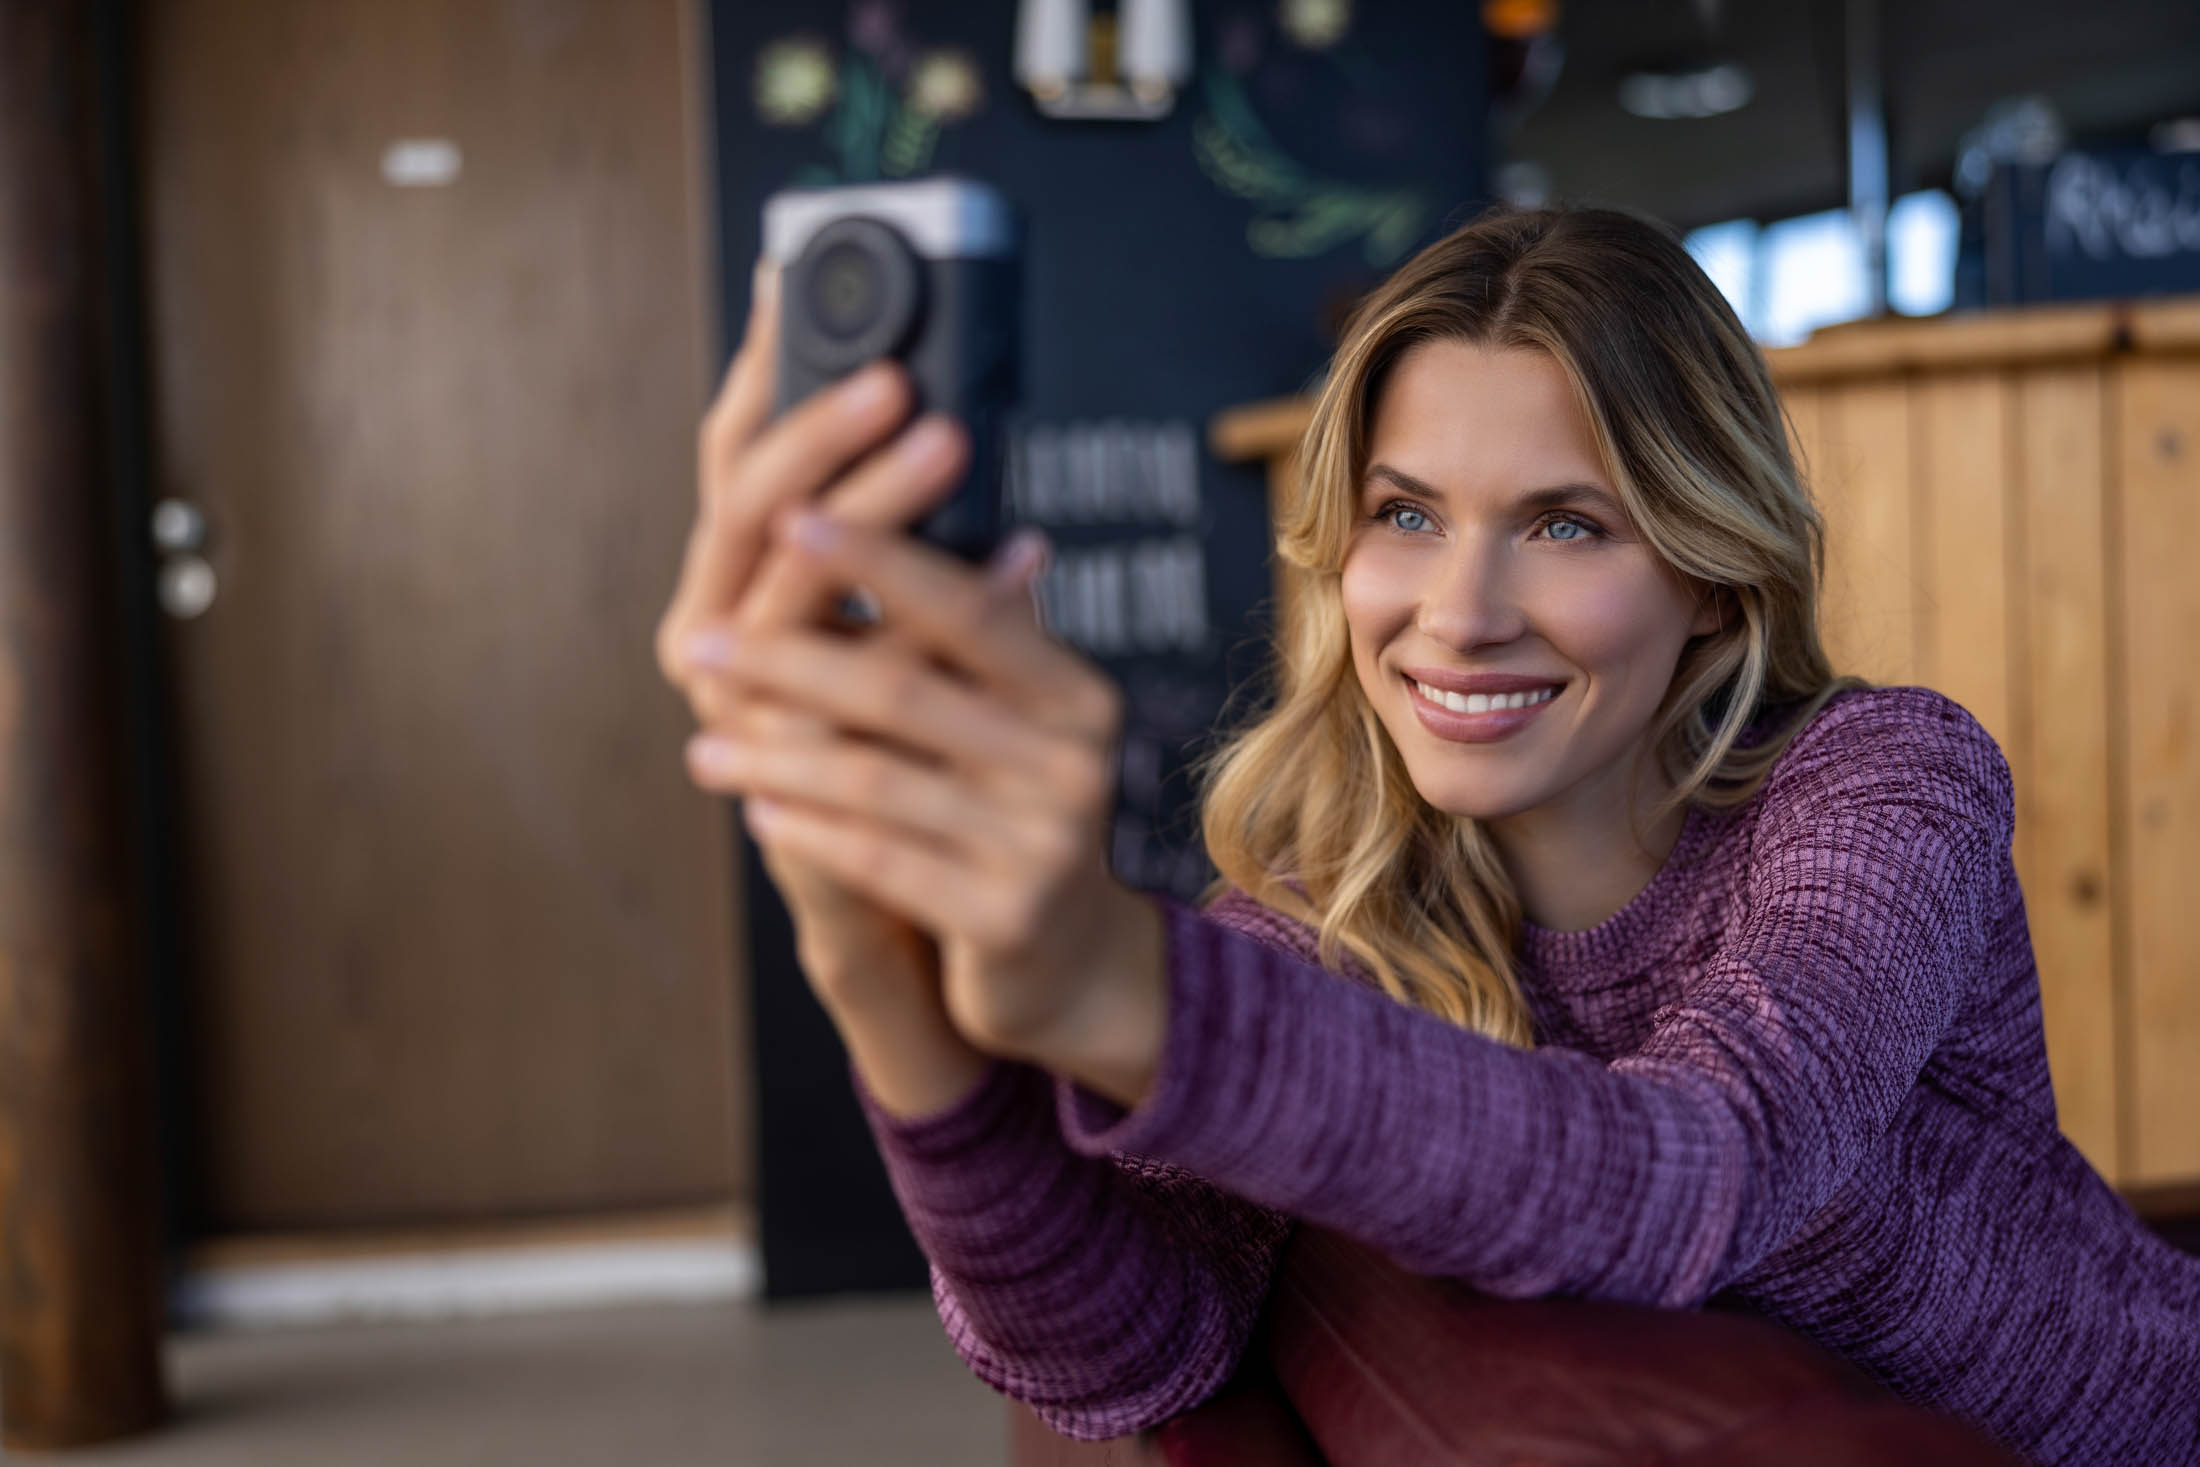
[(2149, 211), (1142, 596), (1108, 472)]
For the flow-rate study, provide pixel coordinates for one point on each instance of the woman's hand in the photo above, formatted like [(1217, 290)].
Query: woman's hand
[(833, 449), (966, 782)]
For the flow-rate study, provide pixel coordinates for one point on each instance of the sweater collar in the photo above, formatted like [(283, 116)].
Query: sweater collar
[(1638, 934)]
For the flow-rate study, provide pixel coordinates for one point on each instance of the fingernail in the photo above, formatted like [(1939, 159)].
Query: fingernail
[(764, 287), (761, 813), (715, 753), (1023, 554), (927, 442), (813, 531), (711, 648), (868, 389)]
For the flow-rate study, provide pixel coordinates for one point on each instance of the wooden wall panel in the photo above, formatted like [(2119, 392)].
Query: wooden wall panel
[(2063, 797), (2158, 462), (1969, 550), (1864, 487), (1807, 439)]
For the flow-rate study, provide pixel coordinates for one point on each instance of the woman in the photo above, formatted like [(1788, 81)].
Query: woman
[(1685, 968)]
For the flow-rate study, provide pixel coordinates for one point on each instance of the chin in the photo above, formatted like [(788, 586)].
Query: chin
[(1469, 798)]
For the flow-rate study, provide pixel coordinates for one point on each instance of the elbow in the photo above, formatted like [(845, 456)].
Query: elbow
[(1095, 1394), (1113, 1407)]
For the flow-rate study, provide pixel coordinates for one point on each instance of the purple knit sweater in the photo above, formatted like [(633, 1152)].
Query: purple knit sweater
[(1804, 1064)]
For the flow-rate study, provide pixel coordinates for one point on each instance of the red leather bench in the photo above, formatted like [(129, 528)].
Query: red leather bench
[(1358, 1362)]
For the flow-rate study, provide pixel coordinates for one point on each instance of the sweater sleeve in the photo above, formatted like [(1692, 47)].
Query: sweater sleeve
[(1107, 1292), (1661, 1176)]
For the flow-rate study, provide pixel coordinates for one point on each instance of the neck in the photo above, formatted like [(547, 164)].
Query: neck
[(1578, 860)]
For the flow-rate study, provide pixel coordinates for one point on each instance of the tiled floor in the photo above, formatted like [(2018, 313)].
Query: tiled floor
[(854, 1380)]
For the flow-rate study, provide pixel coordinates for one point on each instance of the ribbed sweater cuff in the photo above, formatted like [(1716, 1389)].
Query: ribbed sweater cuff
[(987, 1186), (962, 1126)]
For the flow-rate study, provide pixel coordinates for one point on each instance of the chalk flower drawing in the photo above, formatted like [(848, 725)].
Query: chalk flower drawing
[(881, 104), (1315, 24), (1300, 214), (794, 81), (944, 84)]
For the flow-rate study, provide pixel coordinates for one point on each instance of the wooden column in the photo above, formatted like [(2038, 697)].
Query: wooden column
[(80, 1294)]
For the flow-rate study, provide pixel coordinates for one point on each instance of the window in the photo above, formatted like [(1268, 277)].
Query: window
[(1788, 278)]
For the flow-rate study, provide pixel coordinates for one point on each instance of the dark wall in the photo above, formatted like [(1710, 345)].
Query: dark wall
[(1173, 268)]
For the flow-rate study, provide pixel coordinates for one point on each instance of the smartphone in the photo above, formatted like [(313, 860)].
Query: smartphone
[(927, 271)]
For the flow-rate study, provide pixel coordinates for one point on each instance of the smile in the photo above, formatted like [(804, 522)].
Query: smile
[(1476, 718), (1482, 702)]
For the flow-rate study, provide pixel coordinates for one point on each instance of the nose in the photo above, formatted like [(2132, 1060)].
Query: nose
[(1468, 597)]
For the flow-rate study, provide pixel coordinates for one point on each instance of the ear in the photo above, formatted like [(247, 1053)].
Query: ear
[(1716, 609)]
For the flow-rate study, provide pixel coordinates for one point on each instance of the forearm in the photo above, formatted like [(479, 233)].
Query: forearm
[(898, 1037), (914, 1063), (1039, 1253), (1111, 1041), (1106, 1298), (1327, 1100)]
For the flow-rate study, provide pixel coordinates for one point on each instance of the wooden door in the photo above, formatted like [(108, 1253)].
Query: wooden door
[(428, 342)]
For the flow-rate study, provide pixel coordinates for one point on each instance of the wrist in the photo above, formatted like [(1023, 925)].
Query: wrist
[(1112, 1040), (889, 974), (913, 1063)]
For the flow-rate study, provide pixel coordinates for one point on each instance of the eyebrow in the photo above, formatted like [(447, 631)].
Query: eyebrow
[(1547, 498)]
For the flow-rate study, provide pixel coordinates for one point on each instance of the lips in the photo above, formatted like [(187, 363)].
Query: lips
[(1481, 682), (1475, 728)]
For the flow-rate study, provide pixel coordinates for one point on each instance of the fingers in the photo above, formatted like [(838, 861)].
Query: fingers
[(844, 776), (926, 887), (746, 712), (793, 457), (946, 607), (723, 707), (870, 687), (1017, 565), (744, 399), (814, 441), (893, 486)]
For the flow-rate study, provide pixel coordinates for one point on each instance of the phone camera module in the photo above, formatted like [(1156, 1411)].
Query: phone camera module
[(845, 291), (858, 292)]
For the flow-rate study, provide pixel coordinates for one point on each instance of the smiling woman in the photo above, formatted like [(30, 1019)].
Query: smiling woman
[(1547, 455), (1489, 587), (1702, 974)]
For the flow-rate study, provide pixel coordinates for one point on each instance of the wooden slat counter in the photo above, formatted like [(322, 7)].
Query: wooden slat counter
[(2012, 503)]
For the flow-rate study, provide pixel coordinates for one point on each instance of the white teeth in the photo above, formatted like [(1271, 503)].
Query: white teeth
[(1483, 702)]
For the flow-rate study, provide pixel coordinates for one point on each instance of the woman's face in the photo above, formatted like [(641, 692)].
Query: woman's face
[(1491, 543)]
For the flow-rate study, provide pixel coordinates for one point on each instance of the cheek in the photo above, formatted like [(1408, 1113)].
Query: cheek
[(1377, 587), (1377, 591), (1610, 622)]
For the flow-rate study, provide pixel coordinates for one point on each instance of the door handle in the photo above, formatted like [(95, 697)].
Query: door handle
[(186, 584)]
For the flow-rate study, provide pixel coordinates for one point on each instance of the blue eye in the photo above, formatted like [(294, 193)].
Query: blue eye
[(1567, 521), (1410, 520), (1393, 515)]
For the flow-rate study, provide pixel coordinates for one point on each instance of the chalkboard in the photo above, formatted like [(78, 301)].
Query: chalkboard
[(2095, 223), (1173, 268)]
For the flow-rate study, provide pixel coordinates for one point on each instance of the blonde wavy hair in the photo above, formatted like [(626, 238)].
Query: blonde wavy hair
[(1308, 808)]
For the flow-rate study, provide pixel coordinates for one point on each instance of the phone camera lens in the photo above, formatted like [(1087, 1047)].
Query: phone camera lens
[(859, 293), (845, 290)]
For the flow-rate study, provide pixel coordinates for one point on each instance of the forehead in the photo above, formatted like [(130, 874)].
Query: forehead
[(1482, 420)]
